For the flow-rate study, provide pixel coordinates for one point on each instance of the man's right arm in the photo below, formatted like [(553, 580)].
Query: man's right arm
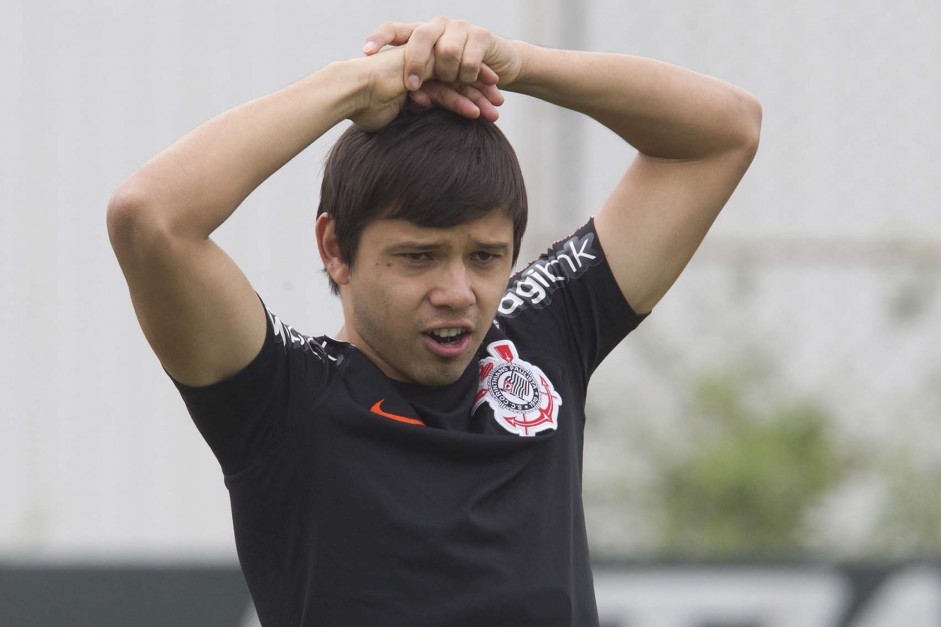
[(195, 306)]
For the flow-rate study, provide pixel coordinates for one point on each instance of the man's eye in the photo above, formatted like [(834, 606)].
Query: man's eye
[(416, 256), (485, 257)]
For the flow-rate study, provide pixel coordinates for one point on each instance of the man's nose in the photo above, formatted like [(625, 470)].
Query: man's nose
[(453, 288)]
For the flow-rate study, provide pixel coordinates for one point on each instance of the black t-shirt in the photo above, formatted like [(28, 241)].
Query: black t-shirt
[(362, 501)]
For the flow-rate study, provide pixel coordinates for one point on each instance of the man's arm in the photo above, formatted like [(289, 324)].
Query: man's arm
[(195, 306), (696, 136)]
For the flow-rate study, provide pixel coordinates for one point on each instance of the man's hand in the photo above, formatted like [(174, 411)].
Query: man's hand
[(446, 63)]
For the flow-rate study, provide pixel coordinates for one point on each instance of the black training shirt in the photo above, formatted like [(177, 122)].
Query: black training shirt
[(362, 501)]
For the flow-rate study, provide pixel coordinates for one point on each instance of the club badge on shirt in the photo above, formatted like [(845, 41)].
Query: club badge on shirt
[(522, 397)]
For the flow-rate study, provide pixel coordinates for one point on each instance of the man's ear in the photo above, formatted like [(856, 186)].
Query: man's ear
[(329, 248)]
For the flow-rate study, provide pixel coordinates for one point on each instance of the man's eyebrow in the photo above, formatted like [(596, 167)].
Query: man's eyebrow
[(416, 245), (496, 247), (492, 246)]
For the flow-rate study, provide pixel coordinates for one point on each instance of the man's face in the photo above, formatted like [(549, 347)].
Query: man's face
[(418, 301)]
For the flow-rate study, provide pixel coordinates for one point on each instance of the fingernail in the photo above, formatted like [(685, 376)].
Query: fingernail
[(413, 82), (369, 46)]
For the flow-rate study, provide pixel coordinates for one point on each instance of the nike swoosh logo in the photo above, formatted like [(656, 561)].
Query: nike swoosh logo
[(377, 409)]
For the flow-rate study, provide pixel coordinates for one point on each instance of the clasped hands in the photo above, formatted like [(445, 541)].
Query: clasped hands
[(445, 63)]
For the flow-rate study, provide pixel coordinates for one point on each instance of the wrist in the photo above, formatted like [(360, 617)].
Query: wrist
[(374, 91), (348, 81), (525, 70)]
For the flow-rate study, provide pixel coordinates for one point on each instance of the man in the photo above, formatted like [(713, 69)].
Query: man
[(422, 467)]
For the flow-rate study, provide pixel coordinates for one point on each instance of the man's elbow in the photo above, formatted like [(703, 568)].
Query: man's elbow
[(133, 220), (748, 114), (125, 208)]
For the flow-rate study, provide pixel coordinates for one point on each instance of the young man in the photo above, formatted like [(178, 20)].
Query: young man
[(422, 467)]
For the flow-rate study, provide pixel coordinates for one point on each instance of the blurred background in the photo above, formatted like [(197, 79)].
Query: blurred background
[(764, 450)]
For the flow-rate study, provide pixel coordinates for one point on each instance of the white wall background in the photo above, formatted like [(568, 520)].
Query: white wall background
[(97, 454)]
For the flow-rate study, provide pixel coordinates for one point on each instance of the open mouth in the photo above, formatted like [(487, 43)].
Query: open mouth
[(447, 336)]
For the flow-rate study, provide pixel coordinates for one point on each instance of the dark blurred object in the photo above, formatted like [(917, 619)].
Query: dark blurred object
[(129, 596)]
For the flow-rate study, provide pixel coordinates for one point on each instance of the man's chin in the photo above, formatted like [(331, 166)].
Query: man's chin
[(443, 373)]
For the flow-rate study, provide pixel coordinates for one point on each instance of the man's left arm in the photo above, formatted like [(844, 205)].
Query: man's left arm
[(695, 136)]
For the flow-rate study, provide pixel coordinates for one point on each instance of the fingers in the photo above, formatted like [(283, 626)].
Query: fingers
[(445, 50), (487, 76), (420, 52), (470, 102), (389, 34), (449, 51), (476, 45), (487, 104), (419, 40), (492, 93)]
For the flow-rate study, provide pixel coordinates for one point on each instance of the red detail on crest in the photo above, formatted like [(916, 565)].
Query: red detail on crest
[(505, 352), (545, 415)]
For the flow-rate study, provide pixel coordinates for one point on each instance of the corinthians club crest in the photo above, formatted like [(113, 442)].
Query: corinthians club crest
[(523, 399)]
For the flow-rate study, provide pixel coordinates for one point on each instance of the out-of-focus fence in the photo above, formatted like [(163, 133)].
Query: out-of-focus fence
[(629, 595), (776, 595)]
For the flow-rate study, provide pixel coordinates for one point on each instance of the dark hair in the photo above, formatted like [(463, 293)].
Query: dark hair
[(433, 168)]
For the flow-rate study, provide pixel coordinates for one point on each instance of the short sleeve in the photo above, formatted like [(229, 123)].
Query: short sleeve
[(245, 416), (568, 302)]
